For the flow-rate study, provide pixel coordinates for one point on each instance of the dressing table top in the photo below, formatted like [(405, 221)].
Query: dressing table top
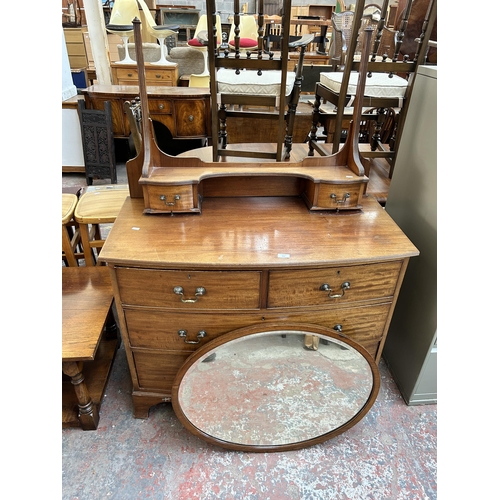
[(254, 232)]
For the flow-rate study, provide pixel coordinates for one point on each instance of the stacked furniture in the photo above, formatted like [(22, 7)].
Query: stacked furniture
[(390, 77), (248, 245)]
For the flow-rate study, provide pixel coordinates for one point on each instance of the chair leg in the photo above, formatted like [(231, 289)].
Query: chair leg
[(69, 256), (375, 139), (292, 106), (127, 59), (87, 250), (223, 127), (314, 126), (163, 53)]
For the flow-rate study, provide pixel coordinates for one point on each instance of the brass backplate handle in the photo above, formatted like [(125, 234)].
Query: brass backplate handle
[(170, 203), (183, 334), (343, 200), (178, 290), (326, 287)]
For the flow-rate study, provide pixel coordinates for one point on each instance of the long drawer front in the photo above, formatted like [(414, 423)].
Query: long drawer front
[(152, 329), (186, 290), (332, 286), (156, 331)]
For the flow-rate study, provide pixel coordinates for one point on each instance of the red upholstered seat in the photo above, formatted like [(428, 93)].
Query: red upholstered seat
[(245, 43)]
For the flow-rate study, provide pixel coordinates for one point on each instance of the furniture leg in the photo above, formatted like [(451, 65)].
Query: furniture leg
[(67, 248), (111, 328), (375, 139), (87, 411), (223, 127), (87, 251), (314, 127), (321, 50)]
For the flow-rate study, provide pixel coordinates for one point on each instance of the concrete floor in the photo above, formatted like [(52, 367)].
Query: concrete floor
[(391, 454)]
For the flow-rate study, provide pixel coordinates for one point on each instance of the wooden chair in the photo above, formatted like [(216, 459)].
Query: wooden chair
[(200, 42), (390, 77), (96, 127), (377, 128), (120, 23), (160, 32), (253, 82), (98, 205)]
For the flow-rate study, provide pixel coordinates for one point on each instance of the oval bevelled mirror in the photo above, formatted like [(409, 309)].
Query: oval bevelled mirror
[(275, 388)]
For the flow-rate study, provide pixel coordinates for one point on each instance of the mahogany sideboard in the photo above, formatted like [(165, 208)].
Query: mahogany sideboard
[(181, 280), (184, 111)]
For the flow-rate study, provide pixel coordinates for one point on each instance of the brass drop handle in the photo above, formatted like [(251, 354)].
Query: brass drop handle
[(346, 196), (170, 203), (183, 334), (178, 290), (326, 287)]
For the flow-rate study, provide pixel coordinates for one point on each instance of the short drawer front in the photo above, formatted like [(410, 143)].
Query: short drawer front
[(127, 74), (159, 76), (340, 196), (181, 331), (179, 198), (332, 286), (221, 289), (157, 371), (160, 106)]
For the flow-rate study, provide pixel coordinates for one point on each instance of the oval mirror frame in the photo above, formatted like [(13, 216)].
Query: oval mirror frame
[(251, 332)]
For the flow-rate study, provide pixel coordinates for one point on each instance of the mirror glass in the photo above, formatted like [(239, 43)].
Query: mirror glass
[(281, 389)]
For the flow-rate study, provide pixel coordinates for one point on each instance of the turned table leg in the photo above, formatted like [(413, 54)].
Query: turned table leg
[(87, 410)]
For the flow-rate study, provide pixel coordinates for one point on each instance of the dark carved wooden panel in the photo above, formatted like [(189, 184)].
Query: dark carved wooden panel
[(98, 142)]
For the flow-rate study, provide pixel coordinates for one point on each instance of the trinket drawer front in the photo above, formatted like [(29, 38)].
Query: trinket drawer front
[(170, 308)]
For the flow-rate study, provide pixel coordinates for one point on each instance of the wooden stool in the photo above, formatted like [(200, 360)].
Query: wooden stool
[(70, 231), (87, 354), (98, 205)]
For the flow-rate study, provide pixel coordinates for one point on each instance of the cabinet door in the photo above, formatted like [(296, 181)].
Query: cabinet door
[(191, 118)]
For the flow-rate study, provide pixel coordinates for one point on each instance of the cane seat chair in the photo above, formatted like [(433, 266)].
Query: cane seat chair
[(341, 37), (247, 81), (390, 76)]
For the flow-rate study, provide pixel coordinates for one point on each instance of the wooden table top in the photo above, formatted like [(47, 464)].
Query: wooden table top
[(87, 295), (254, 233)]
